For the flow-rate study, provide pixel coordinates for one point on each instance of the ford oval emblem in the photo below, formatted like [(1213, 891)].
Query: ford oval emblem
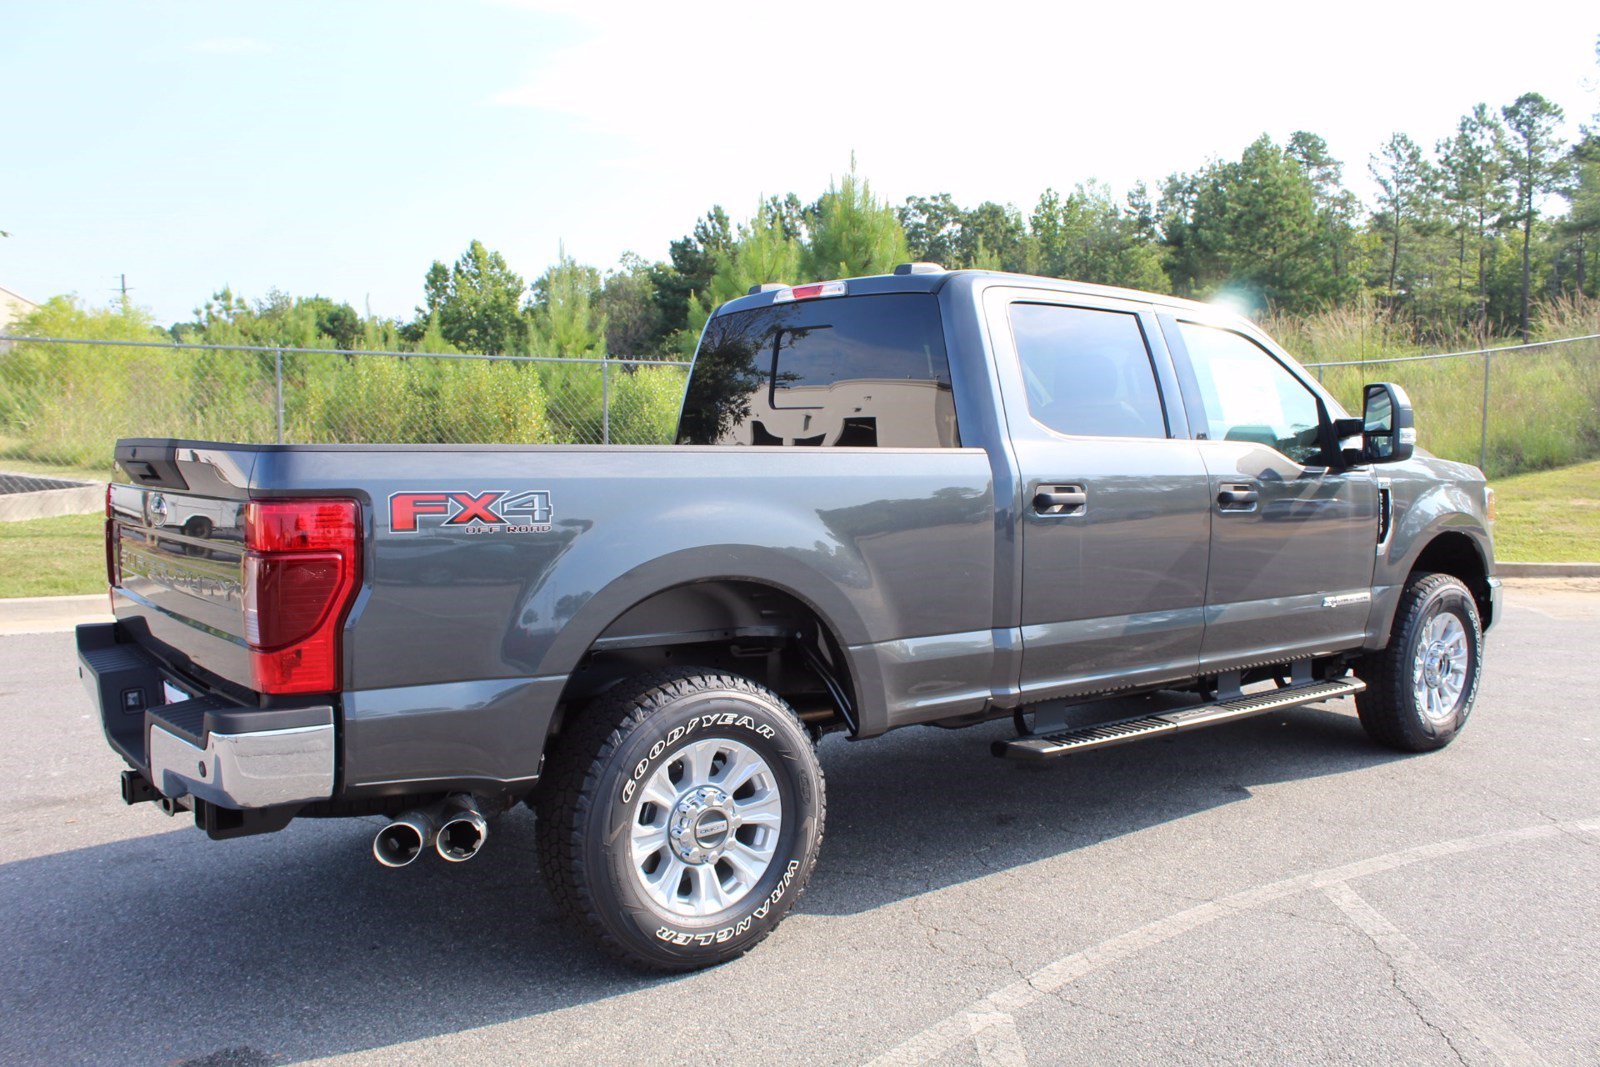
[(156, 508)]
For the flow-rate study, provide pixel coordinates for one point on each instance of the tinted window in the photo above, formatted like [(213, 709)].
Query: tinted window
[(1249, 396), (1087, 371), (840, 371)]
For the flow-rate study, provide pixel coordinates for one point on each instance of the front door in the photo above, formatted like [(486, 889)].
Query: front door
[(1114, 516), (1293, 539)]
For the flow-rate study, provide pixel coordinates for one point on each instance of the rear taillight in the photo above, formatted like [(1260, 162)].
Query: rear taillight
[(113, 550), (302, 566)]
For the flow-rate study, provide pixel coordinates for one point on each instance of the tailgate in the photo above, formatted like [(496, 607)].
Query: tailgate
[(177, 515)]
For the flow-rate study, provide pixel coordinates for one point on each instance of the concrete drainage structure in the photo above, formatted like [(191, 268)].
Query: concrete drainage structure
[(27, 496)]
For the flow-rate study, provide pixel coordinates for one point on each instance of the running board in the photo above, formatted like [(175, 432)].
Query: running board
[(1100, 735)]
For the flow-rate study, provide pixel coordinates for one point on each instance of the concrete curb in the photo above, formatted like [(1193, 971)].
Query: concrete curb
[(51, 614), (1547, 570), (48, 503)]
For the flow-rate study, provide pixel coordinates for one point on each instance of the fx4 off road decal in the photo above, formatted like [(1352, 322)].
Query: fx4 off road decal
[(465, 511)]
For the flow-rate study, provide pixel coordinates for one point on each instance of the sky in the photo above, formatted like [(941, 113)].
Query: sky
[(339, 148)]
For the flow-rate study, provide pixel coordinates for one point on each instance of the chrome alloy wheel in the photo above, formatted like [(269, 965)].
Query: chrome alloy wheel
[(1439, 672), (707, 827)]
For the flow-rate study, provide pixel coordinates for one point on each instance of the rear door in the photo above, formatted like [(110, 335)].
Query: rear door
[(1292, 544), (1115, 509)]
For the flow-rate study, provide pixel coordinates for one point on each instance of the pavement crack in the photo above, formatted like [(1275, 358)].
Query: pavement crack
[(1416, 1007), (1060, 995), (931, 931)]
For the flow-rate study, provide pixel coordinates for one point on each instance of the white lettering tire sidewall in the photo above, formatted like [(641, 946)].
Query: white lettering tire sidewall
[(783, 743)]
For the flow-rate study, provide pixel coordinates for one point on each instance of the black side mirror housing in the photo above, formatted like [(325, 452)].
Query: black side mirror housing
[(1388, 433)]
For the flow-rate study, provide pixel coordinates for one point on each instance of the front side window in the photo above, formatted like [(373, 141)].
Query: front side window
[(1249, 396), (1087, 372), (843, 371)]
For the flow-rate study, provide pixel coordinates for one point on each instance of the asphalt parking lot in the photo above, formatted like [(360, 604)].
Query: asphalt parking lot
[(1273, 890)]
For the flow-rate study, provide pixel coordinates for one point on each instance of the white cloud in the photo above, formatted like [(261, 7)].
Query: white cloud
[(1001, 98)]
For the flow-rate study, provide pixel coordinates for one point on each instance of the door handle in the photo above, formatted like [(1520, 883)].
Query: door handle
[(1237, 497), (1060, 500)]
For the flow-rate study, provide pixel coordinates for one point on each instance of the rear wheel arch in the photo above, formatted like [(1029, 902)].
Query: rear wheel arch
[(746, 626)]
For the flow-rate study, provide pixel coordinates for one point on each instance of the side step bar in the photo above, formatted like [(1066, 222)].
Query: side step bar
[(1101, 735)]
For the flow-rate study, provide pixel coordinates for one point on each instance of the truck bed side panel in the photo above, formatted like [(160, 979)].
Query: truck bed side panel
[(888, 545)]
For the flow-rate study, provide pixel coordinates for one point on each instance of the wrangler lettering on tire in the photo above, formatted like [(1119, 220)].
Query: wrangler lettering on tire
[(680, 818)]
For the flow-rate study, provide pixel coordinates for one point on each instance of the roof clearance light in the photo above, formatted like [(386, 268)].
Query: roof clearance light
[(808, 292)]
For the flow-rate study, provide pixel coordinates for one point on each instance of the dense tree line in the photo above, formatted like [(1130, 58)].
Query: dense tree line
[(1460, 240)]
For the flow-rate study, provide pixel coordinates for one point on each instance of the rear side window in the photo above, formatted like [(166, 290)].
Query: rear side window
[(1087, 371), (837, 372)]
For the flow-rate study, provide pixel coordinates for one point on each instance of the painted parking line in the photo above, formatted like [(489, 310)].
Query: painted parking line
[(999, 1008), (1415, 967)]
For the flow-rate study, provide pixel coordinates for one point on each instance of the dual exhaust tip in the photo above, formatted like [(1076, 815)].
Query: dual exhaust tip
[(454, 828)]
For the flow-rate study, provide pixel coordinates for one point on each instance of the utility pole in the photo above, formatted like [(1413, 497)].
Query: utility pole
[(124, 290)]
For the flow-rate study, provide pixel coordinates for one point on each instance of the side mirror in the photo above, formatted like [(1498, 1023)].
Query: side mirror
[(1389, 432)]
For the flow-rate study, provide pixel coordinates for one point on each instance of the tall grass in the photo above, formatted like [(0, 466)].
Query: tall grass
[(68, 404), (1544, 403)]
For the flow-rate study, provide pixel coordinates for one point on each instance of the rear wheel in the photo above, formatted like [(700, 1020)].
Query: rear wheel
[(1421, 688), (680, 818)]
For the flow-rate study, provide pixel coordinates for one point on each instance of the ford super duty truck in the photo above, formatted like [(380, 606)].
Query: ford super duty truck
[(926, 498)]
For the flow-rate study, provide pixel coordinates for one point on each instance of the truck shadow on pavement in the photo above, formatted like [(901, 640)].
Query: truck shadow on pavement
[(169, 948)]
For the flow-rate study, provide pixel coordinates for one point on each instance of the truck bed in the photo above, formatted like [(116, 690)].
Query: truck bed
[(463, 636)]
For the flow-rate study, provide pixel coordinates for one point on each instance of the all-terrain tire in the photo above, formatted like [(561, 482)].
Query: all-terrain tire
[(595, 797), (1437, 615)]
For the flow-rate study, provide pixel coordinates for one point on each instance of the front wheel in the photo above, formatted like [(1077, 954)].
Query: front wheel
[(680, 818), (1421, 687)]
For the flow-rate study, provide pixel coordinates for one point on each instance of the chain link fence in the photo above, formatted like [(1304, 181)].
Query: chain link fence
[(65, 402), (1507, 409)]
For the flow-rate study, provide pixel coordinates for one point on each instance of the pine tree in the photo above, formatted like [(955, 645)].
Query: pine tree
[(765, 252), (1472, 164), (1250, 226), (853, 233), (1404, 179), (1337, 209), (1536, 164), (562, 318)]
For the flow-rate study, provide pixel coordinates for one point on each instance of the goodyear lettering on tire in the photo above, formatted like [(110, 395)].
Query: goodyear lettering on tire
[(726, 718)]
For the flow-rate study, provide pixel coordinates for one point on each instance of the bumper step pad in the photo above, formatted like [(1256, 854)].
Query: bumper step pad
[(1102, 735)]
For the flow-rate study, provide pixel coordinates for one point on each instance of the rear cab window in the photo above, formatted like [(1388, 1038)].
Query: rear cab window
[(863, 371)]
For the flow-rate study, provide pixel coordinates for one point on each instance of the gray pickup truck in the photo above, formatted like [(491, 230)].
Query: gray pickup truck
[(962, 496)]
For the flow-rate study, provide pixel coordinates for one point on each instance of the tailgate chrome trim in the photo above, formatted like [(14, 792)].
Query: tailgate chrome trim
[(192, 623)]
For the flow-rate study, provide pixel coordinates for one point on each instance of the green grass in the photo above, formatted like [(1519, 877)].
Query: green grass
[(1550, 516), (53, 557), (16, 465)]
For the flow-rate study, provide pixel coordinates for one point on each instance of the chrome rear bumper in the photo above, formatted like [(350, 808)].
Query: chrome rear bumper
[(246, 770), (209, 748)]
